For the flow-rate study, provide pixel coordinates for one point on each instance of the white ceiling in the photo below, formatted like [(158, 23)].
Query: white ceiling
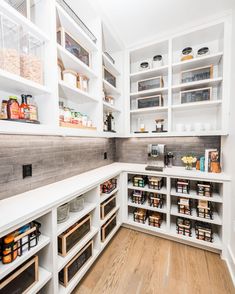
[(137, 20)]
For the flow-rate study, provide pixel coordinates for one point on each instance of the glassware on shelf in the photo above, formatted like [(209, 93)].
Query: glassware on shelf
[(62, 213), (204, 51), (31, 64), (157, 61), (70, 77), (187, 53), (77, 204), (82, 83), (9, 45)]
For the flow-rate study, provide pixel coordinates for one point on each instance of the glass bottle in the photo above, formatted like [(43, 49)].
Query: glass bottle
[(13, 108), (33, 108), (24, 108)]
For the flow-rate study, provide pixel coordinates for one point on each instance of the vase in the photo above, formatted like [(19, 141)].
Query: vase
[(188, 166)]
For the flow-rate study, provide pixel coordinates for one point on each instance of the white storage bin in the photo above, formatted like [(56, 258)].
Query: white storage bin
[(9, 45)]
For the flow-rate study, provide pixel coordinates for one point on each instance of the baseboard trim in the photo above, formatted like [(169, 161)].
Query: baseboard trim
[(230, 261)]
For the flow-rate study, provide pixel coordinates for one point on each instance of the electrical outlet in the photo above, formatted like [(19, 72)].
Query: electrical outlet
[(27, 170), (105, 155)]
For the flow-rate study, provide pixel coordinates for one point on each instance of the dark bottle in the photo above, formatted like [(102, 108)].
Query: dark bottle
[(110, 122)]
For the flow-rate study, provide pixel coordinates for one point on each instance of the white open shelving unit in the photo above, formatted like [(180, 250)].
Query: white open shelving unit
[(53, 90), (88, 185), (181, 119), (169, 210), (214, 113)]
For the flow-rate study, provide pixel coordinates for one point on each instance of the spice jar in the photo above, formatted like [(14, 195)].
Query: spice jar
[(70, 77), (33, 108), (203, 52), (67, 115), (9, 249), (159, 125), (3, 113), (157, 61), (61, 111), (187, 53), (13, 108), (144, 65)]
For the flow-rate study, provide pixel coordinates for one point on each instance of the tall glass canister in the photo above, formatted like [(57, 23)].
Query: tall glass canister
[(9, 45), (31, 58)]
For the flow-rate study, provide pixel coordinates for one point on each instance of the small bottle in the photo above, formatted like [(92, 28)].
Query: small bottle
[(61, 111), (33, 108), (3, 114), (110, 122), (24, 108), (13, 108)]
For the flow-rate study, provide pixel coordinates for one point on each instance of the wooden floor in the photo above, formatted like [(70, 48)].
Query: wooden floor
[(137, 263)]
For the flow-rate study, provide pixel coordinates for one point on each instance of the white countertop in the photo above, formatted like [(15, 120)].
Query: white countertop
[(18, 209)]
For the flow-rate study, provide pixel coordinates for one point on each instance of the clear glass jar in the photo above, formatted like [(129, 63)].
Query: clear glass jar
[(77, 204), (31, 58), (9, 45), (62, 213), (67, 115)]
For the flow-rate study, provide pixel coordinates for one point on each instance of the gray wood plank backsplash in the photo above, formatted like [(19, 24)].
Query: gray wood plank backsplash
[(55, 158)]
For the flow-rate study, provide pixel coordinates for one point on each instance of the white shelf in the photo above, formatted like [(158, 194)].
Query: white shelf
[(74, 94), (44, 277), (12, 13), (197, 62), (181, 134), (215, 245), (72, 62), (111, 213), (62, 261), (150, 73), (149, 110), (16, 84), (75, 280), (145, 226), (109, 107), (197, 105), (163, 190), (74, 29), (149, 92), (5, 269), (74, 217), (110, 66), (216, 219), (110, 90), (110, 236), (147, 206), (197, 84), (105, 196), (193, 195)]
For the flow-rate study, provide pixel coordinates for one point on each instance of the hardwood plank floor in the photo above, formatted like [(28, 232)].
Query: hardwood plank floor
[(137, 263)]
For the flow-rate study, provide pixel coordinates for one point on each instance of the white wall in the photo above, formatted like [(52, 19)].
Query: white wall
[(229, 160)]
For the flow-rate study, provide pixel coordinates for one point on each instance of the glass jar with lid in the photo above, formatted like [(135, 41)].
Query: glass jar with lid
[(31, 58), (9, 45), (187, 53)]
